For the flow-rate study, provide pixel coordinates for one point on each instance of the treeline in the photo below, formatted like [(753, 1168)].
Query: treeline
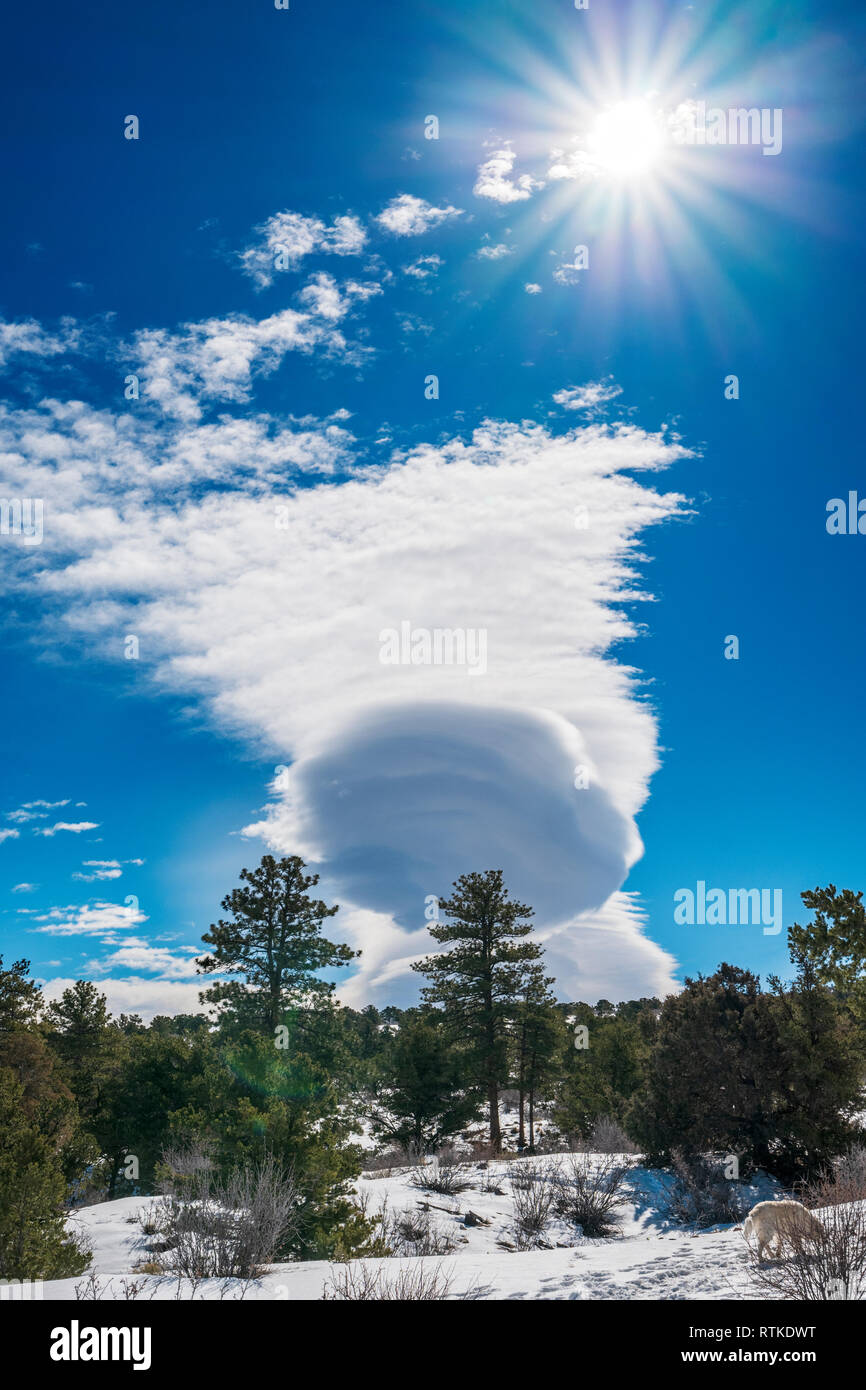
[(93, 1107)]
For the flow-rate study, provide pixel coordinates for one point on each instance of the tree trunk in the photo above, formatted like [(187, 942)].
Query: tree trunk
[(495, 1131), (521, 1136), (532, 1078)]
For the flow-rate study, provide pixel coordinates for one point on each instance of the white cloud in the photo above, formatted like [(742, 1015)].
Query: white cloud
[(494, 253), (589, 398), (140, 957), (326, 300), (400, 777), (104, 869), (568, 273), (137, 996), (286, 238), (25, 887), (410, 323), (532, 288), (34, 810), (407, 215), (219, 358), (9, 835), (72, 827), (92, 919), (29, 338), (576, 163), (495, 179), (424, 267)]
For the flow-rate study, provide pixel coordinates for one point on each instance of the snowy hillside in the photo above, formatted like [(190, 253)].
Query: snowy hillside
[(649, 1257)]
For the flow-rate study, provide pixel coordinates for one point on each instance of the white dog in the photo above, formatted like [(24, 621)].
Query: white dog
[(772, 1223)]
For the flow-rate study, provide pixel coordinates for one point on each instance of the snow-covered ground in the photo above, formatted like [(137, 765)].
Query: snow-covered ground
[(649, 1258)]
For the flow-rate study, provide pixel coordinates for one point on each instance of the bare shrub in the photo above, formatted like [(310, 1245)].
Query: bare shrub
[(849, 1176), (416, 1233), (829, 1266), (609, 1137), (92, 1290), (701, 1194), (586, 1190), (448, 1174), (184, 1168), (227, 1229), (360, 1282), (532, 1195), (491, 1180), (524, 1176)]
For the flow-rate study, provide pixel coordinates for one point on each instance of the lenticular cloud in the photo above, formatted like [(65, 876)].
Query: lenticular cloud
[(267, 598)]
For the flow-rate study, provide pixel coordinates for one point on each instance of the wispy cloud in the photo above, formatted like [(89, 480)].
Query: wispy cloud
[(407, 215), (494, 252), (101, 919), (34, 810), (104, 869), (589, 398), (27, 338), (424, 268), (71, 827)]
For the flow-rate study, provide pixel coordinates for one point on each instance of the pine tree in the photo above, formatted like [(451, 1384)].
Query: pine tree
[(33, 1239), (771, 1077), (20, 998), (707, 1075), (601, 1078), (835, 943), (273, 941), (425, 1100), (818, 1084), (82, 1035), (539, 1033), (478, 982)]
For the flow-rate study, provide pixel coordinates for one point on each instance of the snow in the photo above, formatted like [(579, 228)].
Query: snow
[(649, 1257)]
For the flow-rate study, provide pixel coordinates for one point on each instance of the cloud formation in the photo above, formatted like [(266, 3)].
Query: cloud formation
[(407, 215), (282, 242), (495, 179), (263, 585)]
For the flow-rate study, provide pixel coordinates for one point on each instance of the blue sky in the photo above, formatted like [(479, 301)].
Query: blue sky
[(302, 133)]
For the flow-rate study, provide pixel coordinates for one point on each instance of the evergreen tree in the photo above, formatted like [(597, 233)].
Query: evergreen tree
[(88, 1045), (478, 982), (33, 1239), (769, 1077), (20, 997), (538, 1036), (706, 1077), (602, 1078), (272, 940), (818, 1082), (835, 943), (425, 1100)]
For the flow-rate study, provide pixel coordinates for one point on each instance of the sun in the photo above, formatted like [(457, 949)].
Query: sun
[(626, 140)]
